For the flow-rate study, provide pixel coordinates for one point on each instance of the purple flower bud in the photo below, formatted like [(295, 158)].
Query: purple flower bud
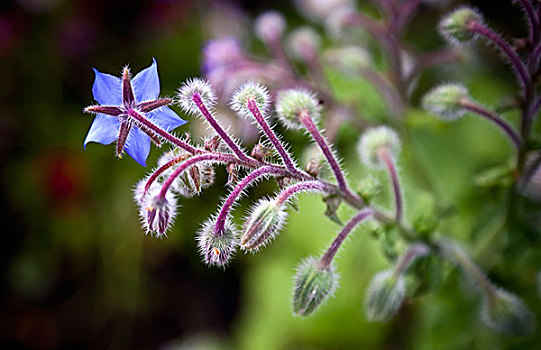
[(158, 214), (303, 43), (217, 248), (270, 26), (192, 181)]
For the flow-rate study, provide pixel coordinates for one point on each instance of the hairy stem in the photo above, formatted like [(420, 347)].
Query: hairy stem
[(385, 155), (414, 251), (305, 186)]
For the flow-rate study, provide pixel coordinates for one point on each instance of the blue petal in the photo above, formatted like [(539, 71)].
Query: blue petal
[(166, 119), (107, 89), (138, 145), (146, 84), (104, 130)]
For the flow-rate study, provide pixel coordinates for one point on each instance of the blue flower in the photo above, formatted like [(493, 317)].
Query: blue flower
[(130, 112)]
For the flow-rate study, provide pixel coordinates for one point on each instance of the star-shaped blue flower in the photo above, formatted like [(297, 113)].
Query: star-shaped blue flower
[(130, 112)]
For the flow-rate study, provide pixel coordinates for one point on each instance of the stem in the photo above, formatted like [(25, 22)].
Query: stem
[(272, 137), (305, 186), (329, 255), (496, 119), (388, 91), (517, 63), (414, 251), (217, 158), (241, 186), (167, 136), (387, 158), (404, 15), (430, 59), (533, 20), (221, 132), (316, 135)]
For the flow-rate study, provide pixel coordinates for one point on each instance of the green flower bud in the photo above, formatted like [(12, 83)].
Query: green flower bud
[(313, 283), (384, 296), (455, 27), (375, 139), (348, 59), (263, 225), (217, 248), (505, 312), (445, 101), (291, 103), (250, 91)]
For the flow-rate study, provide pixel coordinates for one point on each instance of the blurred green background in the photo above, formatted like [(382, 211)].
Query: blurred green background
[(76, 269)]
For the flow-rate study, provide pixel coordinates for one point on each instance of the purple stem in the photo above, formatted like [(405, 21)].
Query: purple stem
[(272, 137), (517, 63), (241, 186), (305, 186), (388, 91), (223, 135), (414, 251), (533, 20), (385, 155), (404, 14), (167, 136), (496, 119), (213, 157), (329, 255), (432, 58), (316, 135)]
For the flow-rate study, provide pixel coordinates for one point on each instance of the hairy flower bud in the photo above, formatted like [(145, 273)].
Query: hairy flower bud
[(247, 92), (217, 248), (158, 214), (445, 101), (270, 26), (313, 284), (320, 9), (195, 87), (348, 59), (263, 225), (303, 43), (455, 27), (384, 296), (505, 312), (375, 139), (291, 103)]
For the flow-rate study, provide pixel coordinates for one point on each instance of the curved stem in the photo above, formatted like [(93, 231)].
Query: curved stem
[(316, 135), (241, 186), (414, 251), (517, 63), (533, 20), (496, 119), (330, 253), (387, 158), (388, 91), (305, 186), (221, 132), (272, 137), (167, 136)]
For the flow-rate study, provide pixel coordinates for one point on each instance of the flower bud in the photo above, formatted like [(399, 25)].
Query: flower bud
[(445, 101), (291, 103), (373, 141), (505, 312), (270, 26), (263, 225), (192, 180), (158, 214), (250, 91), (455, 27), (313, 283), (320, 9), (217, 248), (384, 296), (191, 88), (348, 59), (303, 43)]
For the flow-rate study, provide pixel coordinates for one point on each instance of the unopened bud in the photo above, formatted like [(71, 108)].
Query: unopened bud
[(263, 225), (190, 89), (455, 27), (320, 9), (158, 213), (194, 179), (445, 101), (303, 43), (261, 152), (251, 91), (313, 284), (348, 59), (505, 312), (384, 296), (291, 103), (217, 248), (270, 26), (373, 141)]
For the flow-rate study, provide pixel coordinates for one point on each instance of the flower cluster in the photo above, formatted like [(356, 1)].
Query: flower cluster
[(130, 112)]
